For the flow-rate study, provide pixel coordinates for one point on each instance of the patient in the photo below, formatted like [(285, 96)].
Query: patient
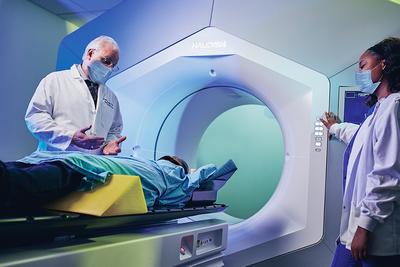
[(47, 175)]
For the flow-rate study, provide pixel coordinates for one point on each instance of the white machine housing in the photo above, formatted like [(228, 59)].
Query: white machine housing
[(169, 99)]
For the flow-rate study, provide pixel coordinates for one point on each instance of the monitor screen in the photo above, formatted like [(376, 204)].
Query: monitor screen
[(354, 107)]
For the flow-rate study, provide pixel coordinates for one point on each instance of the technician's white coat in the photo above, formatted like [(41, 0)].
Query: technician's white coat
[(62, 104), (372, 196)]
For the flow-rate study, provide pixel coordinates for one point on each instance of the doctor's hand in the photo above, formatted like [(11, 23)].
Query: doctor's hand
[(330, 119), (113, 147), (359, 244), (81, 139)]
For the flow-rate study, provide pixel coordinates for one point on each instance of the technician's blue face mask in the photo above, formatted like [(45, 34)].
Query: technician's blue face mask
[(364, 81), (98, 72)]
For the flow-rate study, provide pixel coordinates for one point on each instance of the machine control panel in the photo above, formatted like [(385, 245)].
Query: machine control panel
[(186, 248), (318, 135), (201, 243), (208, 241)]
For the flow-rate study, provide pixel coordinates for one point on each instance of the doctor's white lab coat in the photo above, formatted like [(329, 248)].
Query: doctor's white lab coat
[(62, 104), (372, 194)]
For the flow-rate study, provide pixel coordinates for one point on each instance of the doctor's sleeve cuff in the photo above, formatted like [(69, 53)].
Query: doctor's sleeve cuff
[(334, 129), (343, 131), (63, 141), (367, 222)]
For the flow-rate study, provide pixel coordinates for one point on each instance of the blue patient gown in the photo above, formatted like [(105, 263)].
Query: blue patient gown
[(164, 183)]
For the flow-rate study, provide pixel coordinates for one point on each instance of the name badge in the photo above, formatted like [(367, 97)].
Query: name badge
[(108, 103)]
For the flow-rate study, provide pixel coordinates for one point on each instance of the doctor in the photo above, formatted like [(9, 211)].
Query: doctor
[(370, 223), (74, 109)]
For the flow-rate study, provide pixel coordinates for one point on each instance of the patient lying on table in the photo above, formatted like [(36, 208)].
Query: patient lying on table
[(45, 176)]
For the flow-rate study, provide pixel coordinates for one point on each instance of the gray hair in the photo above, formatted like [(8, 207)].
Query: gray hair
[(97, 42)]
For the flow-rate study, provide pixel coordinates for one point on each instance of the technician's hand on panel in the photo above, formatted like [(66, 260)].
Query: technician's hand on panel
[(344, 131), (330, 119), (74, 110)]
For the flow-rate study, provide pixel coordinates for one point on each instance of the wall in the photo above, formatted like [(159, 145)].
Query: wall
[(30, 39)]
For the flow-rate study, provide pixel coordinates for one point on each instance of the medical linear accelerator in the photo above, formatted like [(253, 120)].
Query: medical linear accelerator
[(167, 95), (169, 98)]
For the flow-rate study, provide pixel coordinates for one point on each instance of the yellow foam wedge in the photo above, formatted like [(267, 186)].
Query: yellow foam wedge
[(122, 195)]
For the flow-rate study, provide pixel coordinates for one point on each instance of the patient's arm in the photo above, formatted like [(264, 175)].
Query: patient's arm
[(207, 192)]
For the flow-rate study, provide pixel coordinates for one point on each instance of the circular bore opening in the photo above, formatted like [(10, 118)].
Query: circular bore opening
[(234, 125), (251, 136)]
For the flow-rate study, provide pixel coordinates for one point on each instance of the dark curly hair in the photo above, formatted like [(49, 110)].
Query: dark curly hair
[(389, 50)]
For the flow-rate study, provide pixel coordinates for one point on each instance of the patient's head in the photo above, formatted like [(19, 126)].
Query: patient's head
[(177, 161)]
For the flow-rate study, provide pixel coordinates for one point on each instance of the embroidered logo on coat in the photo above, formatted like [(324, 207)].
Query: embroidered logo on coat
[(108, 103)]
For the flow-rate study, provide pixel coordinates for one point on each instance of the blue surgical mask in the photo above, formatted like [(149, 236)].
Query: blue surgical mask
[(364, 81), (98, 72)]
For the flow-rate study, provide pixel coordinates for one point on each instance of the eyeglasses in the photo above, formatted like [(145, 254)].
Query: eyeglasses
[(107, 61)]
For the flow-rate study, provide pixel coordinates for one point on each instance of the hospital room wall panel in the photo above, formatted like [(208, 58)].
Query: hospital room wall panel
[(30, 38)]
